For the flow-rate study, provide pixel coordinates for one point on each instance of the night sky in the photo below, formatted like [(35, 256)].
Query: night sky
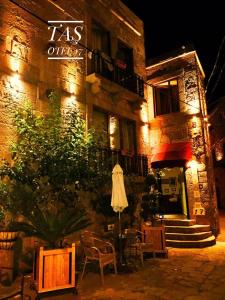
[(169, 25)]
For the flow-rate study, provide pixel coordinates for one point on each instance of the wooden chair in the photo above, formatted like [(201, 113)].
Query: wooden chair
[(156, 236), (96, 249)]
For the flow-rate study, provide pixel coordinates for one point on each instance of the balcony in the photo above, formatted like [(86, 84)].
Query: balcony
[(131, 164), (107, 68)]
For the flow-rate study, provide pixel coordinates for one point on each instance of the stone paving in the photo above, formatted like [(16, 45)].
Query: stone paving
[(187, 274)]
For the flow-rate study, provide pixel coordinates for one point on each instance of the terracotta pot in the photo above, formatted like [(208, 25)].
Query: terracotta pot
[(6, 245), (8, 235), (7, 239)]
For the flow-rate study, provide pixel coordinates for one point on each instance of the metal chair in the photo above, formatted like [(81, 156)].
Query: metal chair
[(133, 246), (136, 244), (96, 249)]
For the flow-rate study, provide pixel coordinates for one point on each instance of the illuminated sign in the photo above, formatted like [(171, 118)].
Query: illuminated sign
[(64, 41)]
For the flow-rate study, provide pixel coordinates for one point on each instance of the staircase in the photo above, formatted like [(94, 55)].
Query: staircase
[(184, 233)]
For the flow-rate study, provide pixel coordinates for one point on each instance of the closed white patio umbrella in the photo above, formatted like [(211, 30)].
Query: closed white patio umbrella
[(119, 200)]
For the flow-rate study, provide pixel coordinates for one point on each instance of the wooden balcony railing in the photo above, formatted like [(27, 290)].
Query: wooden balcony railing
[(107, 68)]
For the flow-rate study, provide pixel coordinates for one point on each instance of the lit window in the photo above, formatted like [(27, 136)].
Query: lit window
[(166, 97), (114, 132)]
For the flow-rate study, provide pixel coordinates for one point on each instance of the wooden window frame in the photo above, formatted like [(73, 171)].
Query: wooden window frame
[(106, 31), (120, 119), (170, 98)]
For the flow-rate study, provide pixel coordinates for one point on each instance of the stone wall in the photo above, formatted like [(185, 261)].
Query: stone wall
[(187, 125), (27, 75)]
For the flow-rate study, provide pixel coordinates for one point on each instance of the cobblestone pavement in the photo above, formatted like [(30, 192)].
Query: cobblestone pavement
[(187, 274)]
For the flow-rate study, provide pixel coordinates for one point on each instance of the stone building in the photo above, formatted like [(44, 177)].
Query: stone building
[(156, 121), (217, 136), (179, 137), (105, 81)]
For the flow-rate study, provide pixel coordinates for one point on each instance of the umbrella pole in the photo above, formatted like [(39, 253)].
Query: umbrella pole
[(120, 243), (119, 226)]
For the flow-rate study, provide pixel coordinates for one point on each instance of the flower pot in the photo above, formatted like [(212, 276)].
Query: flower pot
[(7, 260), (7, 239)]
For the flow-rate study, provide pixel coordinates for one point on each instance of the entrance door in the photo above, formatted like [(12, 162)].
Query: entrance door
[(172, 186)]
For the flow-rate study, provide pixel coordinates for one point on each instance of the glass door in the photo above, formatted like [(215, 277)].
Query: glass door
[(172, 187)]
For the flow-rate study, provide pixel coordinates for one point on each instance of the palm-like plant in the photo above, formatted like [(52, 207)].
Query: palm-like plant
[(52, 226)]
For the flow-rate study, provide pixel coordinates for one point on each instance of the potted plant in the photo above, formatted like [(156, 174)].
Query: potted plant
[(52, 161), (8, 238), (51, 226), (150, 200)]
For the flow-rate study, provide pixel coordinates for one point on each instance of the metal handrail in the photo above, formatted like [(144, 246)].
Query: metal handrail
[(108, 68)]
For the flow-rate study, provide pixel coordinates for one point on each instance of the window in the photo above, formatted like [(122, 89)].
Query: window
[(100, 38), (124, 57), (114, 132), (100, 123), (128, 136), (166, 97)]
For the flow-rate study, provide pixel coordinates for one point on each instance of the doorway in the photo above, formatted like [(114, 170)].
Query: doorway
[(172, 187)]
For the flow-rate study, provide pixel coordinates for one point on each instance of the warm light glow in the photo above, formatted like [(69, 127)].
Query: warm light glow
[(219, 152), (144, 138), (193, 164), (194, 107), (125, 22), (179, 56), (195, 122), (166, 83), (15, 64), (194, 119), (206, 119), (219, 157), (144, 114), (145, 131), (15, 80), (72, 87), (70, 101), (114, 132)]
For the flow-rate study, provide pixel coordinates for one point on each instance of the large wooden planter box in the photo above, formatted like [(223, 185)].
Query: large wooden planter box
[(157, 236), (54, 270)]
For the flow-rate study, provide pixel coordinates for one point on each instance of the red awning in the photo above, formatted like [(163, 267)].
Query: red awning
[(171, 152)]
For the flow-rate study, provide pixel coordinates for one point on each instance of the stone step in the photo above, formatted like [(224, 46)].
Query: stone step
[(179, 222), (210, 241), (187, 229), (188, 236)]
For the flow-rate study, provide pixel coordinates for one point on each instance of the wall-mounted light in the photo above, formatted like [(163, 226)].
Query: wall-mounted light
[(15, 79), (193, 164), (70, 101), (15, 65), (89, 55)]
